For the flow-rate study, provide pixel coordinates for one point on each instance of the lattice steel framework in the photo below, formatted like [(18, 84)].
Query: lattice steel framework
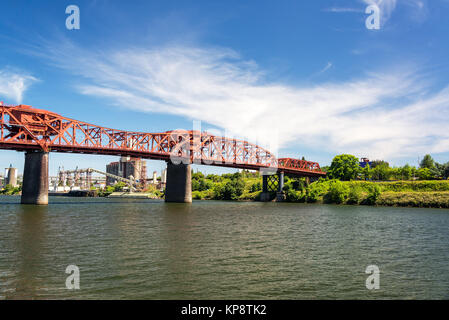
[(25, 128), (272, 183)]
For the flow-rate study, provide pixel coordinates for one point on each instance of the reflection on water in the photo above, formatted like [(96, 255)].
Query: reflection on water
[(146, 249), (31, 247)]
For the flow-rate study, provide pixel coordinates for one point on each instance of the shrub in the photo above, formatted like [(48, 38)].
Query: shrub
[(119, 186), (229, 190), (415, 199), (197, 195), (257, 186), (294, 196), (338, 192), (249, 195), (317, 190), (373, 194), (355, 195)]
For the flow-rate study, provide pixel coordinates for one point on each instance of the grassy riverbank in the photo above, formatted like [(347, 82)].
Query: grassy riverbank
[(434, 194), (247, 187), (9, 190)]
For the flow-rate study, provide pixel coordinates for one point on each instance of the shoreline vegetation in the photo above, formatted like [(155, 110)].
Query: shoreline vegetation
[(347, 182), (247, 187)]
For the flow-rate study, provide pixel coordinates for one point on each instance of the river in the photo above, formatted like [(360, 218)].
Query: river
[(147, 249)]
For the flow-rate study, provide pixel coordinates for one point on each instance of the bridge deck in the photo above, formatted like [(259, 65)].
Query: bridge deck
[(26, 128)]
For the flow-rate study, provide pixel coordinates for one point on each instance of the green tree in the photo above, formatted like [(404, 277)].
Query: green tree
[(395, 173), (406, 172), (195, 185), (230, 190), (257, 186), (425, 174), (441, 170), (197, 175), (205, 185), (344, 167), (427, 162), (446, 171), (119, 186), (366, 172), (381, 172), (376, 163)]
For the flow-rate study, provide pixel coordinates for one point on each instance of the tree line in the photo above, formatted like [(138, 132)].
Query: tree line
[(346, 167)]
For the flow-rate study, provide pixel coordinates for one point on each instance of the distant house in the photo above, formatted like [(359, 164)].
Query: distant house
[(365, 161)]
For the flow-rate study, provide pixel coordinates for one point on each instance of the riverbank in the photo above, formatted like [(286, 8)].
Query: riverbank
[(424, 194), (414, 199), (247, 187)]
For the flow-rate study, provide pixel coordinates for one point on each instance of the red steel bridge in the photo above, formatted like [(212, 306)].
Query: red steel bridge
[(24, 128)]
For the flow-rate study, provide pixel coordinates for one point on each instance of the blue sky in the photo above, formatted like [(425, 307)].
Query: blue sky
[(305, 78)]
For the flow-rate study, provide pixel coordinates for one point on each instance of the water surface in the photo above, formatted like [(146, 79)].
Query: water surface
[(147, 249)]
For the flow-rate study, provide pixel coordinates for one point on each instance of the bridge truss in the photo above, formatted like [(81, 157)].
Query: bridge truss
[(25, 128)]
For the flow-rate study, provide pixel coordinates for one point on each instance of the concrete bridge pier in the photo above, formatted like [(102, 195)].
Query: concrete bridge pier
[(280, 195), (35, 178), (265, 195), (179, 183)]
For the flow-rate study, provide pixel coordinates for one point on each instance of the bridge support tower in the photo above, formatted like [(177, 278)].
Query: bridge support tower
[(179, 183), (280, 194), (265, 195), (268, 187), (35, 178)]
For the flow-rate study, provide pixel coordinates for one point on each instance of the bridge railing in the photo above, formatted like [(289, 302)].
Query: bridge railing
[(23, 127)]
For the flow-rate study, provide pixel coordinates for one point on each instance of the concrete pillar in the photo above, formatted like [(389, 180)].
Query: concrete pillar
[(281, 181), (265, 195), (179, 183), (265, 183), (35, 178), (164, 176), (280, 195)]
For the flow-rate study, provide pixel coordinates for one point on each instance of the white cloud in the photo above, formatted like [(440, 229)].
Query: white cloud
[(418, 8), (327, 67), (386, 8), (14, 85), (344, 10), (389, 114)]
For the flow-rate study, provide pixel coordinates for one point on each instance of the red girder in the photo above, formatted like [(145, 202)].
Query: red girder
[(25, 128)]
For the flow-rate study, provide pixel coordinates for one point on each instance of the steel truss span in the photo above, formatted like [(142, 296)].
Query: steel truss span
[(25, 128)]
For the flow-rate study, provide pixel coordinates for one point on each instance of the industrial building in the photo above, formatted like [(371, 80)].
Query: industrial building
[(364, 162), (129, 168), (161, 182), (10, 177)]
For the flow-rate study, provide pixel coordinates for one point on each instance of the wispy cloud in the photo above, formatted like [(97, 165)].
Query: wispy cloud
[(327, 67), (387, 7), (382, 114), (344, 10), (14, 84)]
